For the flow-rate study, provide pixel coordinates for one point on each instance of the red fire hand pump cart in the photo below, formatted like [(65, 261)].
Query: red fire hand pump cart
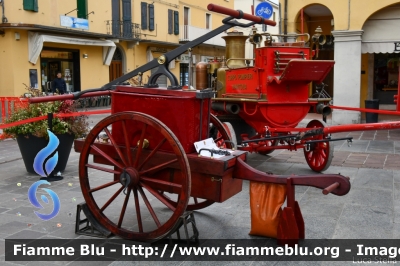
[(139, 170)]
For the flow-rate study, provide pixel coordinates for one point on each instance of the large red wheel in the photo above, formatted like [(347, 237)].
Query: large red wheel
[(268, 143), (121, 188), (319, 154)]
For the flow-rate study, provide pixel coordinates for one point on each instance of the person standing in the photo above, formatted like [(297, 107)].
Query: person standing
[(59, 84)]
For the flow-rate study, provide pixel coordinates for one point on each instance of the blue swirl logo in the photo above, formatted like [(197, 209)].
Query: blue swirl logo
[(44, 153), (44, 168), (32, 198)]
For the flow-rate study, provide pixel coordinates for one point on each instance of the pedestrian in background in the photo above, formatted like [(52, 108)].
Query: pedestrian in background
[(59, 84)]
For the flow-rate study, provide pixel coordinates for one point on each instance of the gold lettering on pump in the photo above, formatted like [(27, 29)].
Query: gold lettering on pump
[(240, 77), (239, 87), (232, 77), (245, 76)]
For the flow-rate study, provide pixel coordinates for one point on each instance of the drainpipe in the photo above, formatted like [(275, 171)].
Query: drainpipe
[(3, 19), (285, 22), (348, 19), (302, 22)]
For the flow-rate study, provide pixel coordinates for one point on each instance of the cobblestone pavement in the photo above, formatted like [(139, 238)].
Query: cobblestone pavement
[(371, 210)]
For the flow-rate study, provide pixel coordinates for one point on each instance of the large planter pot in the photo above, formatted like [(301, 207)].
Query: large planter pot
[(31, 145)]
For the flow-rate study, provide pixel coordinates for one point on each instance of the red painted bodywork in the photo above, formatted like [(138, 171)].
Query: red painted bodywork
[(282, 94), (179, 110)]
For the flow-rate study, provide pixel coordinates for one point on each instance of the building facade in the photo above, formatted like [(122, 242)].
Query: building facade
[(95, 41), (363, 38)]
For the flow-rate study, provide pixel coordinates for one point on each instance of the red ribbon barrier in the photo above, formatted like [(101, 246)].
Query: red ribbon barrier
[(30, 120)]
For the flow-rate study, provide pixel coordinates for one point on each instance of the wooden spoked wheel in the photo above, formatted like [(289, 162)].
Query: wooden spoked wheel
[(220, 135), (319, 154), (122, 180)]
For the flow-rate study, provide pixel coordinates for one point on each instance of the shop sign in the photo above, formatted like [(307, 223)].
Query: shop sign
[(206, 59), (75, 23), (185, 59), (67, 75)]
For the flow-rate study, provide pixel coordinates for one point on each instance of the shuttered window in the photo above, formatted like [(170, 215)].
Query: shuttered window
[(82, 8), (176, 22), (170, 21), (116, 17), (144, 15), (31, 5), (127, 18), (151, 17)]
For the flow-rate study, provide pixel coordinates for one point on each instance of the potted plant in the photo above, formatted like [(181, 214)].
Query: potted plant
[(33, 137)]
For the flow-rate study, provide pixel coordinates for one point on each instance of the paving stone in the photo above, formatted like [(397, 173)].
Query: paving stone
[(372, 166), (357, 146), (26, 234), (396, 176), (359, 215), (363, 232), (370, 197), (374, 178)]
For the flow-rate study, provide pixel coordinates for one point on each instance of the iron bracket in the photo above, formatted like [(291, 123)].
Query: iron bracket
[(92, 226)]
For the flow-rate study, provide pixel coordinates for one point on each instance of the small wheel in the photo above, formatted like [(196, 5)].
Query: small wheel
[(222, 132), (269, 143), (129, 167), (319, 154)]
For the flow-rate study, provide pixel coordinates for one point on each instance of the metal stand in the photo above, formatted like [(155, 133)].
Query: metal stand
[(92, 226), (184, 220)]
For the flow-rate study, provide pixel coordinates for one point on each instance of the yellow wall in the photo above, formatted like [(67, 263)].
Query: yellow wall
[(357, 10), (50, 11), (160, 32), (198, 10), (15, 66)]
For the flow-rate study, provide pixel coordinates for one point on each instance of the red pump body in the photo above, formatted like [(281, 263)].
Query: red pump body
[(276, 86)]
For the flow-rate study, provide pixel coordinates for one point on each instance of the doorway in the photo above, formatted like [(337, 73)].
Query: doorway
[(53, 60), (115, 69)]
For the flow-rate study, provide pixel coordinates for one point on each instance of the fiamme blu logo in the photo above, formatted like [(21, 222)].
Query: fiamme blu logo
[(43, 166)]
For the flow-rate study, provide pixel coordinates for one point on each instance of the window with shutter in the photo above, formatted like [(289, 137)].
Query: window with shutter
[(176, 22), (151, 17), (144, 15), (127, 18), (82, 8), (31, 5), (170, 21)]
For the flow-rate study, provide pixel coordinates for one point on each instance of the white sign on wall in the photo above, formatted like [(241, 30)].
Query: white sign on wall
[(75, 23), (185, 59)]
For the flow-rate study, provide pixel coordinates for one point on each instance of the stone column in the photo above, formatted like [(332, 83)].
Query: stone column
[(347, 75)]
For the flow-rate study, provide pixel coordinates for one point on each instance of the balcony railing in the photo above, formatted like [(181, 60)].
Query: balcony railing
[(123, 29), (189, 33)]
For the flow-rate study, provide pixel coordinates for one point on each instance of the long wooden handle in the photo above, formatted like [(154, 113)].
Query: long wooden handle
[(66, 97)]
